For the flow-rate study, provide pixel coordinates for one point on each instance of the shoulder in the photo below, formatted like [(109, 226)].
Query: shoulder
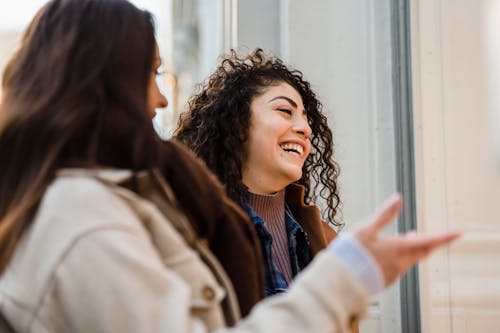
[(78, 195), (77, 204), (74, 210)]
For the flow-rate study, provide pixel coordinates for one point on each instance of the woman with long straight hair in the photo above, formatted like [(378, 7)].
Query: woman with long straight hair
[(105, 228)]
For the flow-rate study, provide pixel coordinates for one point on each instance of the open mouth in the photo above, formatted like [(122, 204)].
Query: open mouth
[(293, 148)]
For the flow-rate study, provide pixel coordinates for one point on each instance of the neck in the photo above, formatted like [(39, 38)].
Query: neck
[(268, 206), (260, 183)]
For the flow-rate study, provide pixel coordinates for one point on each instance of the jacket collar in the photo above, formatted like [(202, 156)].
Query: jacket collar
[(115, 176), (309, 217)]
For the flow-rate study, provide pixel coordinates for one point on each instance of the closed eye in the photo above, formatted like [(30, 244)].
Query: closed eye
[(289, 112)]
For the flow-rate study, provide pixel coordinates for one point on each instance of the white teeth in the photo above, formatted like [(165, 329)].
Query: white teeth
[(294, 147)]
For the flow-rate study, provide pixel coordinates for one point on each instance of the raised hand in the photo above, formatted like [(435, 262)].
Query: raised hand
[(396, 254)]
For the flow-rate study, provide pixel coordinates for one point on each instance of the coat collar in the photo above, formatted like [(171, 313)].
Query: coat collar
[(115, 176), (309, 217)]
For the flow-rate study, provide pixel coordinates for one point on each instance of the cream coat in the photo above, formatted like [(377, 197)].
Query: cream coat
[(99, 258)]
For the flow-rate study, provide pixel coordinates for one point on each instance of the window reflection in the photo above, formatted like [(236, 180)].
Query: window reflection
[(195, 45)]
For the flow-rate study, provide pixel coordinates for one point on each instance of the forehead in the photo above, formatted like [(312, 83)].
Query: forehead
[(280, 89)]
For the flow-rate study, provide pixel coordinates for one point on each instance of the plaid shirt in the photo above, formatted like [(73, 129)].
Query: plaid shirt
[(298, 247)]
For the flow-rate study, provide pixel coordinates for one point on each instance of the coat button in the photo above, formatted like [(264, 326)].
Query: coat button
[(354, 323), (208, 293)]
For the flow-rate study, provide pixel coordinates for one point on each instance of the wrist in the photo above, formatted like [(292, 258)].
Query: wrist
[(359, 261)]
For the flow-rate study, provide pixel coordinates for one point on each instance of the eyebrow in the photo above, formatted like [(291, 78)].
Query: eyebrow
[(291, 101)]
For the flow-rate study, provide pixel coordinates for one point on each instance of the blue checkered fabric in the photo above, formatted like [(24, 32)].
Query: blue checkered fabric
[(298, 246)]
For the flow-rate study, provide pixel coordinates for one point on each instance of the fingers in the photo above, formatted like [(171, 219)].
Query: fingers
[(427, 244), (389, 212), (413, 248)]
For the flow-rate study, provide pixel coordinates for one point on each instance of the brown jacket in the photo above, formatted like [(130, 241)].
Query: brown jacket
[(319, 232)]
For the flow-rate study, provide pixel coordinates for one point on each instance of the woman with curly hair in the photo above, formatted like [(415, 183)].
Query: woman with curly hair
[(260, 128)]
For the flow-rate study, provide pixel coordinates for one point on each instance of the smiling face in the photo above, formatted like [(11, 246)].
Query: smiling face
[(278, 141)]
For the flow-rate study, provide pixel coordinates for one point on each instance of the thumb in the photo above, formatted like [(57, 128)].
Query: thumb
[(390, 210)]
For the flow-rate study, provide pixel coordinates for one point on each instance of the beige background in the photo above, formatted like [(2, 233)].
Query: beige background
[(458, 182)]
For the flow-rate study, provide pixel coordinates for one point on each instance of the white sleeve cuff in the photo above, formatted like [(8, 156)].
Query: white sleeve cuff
[(359, 261)]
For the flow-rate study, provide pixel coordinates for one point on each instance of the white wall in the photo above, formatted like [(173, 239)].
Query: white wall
[(458, 183), (259, 25)]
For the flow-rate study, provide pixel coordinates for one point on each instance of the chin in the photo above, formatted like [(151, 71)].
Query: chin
[(295, 176), (290, 173)]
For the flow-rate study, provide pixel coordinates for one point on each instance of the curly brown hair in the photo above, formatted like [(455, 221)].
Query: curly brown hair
[(216, 125)]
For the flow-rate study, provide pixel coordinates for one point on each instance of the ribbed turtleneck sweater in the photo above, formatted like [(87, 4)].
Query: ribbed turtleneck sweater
[(271, 208)]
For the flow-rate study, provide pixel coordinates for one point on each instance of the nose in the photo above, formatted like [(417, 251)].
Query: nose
[(162, 101), (302, 127)]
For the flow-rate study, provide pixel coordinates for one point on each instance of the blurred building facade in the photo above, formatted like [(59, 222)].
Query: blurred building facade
[(9, 39), (456, 88)]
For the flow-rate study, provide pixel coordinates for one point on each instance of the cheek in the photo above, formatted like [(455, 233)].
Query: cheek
[(309, 150), (149, 95), (256, 148), (259, 151)]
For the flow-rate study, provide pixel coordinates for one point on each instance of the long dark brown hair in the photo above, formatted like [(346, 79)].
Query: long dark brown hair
[(217, 122), (74, 95)]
